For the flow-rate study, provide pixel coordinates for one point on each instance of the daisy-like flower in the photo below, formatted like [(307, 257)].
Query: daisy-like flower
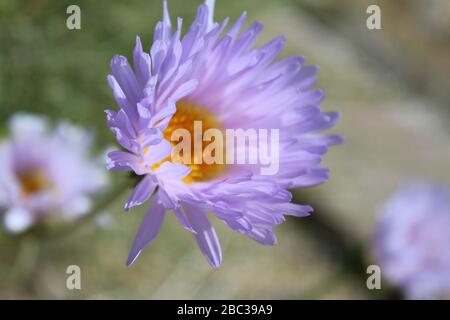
[(213, 76), (412, 237), (45, 173)]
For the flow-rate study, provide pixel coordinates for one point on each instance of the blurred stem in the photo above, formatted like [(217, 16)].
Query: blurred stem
[(26, 256), (28, 247), (341, 247), (42, 232), (124, 185)]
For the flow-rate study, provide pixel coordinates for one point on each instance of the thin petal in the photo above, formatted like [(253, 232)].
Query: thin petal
[(165, 112), (172, 171), (125, 77), (156, 153), (142, 63), (210, 5), (183, 220), (205, 235), (263, 236), (148, 230), (167, 25), (141, 192), (123, 161), (296, 210)]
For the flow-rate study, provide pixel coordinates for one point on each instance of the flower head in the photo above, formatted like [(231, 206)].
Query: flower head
[(207, 85), (45, 173), (412, 237)]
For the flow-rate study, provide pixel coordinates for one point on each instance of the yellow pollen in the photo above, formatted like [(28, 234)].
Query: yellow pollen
[(33, 182), (188, 112)]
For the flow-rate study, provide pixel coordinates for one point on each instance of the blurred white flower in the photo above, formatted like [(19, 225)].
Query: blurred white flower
[(412, 241), (46, 172)]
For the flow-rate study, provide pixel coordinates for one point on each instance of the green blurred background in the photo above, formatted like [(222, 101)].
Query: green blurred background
[(391, 86)]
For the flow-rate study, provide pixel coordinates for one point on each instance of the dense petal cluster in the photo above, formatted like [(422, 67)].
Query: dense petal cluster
[(411, 244), (216, 69), (45, 172)]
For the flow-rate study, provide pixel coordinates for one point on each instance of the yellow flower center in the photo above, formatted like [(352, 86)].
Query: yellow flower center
[(32, 182), (188, 112)]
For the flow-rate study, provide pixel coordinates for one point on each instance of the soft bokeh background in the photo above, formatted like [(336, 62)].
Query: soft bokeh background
[(391, 86)]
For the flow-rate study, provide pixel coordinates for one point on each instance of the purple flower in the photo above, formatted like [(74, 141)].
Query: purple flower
[(45, 173), (212, 75), (412, 238)]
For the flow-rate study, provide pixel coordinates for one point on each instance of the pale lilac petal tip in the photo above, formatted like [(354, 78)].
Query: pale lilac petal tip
[(141, 193), (206, 236), (148, 230)]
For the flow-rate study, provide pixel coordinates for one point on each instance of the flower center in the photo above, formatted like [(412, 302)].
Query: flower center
[(187, 113), (32, 182)]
